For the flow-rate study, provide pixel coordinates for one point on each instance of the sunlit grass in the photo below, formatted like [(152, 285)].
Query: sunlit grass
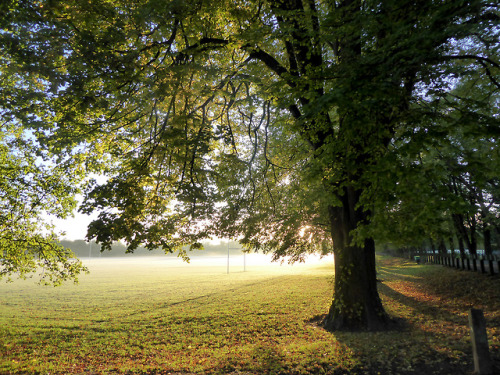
[(140, 317), (134, 315)]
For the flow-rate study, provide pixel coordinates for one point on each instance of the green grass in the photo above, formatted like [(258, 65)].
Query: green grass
[(150, 318)]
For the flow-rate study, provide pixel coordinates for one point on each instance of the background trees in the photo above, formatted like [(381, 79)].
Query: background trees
[(296, 125)]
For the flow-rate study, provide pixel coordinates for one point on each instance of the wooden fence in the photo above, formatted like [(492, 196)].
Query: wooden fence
[(476, 263)]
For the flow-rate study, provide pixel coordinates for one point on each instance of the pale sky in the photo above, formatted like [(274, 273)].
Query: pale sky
[(75, 227)]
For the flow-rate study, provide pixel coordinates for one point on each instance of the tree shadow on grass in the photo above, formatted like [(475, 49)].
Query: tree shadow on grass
[(424, 308), (412, 346), (445, 317)]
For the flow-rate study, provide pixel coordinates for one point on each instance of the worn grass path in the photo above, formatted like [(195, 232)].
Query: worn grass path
[(141, 317)]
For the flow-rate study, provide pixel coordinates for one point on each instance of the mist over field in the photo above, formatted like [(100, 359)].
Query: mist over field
[(139, 313), (149, 315), (84, 249), (161, 131), (216, 264)]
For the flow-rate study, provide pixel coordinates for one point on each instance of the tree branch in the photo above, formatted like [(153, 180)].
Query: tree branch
[(271, 63), (480, 59), (484, 61)]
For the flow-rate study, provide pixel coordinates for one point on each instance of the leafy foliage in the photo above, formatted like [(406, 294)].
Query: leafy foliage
[(29, 193), (189, 114), (297, 126)]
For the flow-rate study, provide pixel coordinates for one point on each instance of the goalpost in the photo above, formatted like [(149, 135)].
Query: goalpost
[(244, 257)]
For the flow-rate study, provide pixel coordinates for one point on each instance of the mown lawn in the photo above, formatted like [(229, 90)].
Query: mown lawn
[(139, 317)]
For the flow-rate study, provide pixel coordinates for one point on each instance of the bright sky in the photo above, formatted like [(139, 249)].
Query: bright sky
[(75, 227)]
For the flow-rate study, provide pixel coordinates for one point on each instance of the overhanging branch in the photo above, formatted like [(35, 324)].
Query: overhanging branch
[(480, 59), (271, 63), (485, 62)]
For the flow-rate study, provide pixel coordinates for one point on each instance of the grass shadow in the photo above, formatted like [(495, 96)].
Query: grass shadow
[(432, 336)]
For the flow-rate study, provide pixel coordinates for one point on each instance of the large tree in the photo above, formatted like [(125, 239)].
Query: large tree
[(282, 122), (455, 178)]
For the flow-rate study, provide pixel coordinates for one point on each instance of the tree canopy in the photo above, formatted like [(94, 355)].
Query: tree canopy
[(294, 125), (30, 192)]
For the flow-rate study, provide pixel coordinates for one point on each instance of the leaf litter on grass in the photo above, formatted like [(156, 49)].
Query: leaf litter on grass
[(249, 324), (435, 302)]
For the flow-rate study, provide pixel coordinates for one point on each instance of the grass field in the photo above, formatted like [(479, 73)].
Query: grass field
[(134, 316)]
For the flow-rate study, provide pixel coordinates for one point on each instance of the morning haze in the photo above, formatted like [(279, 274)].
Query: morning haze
[(362, 132)]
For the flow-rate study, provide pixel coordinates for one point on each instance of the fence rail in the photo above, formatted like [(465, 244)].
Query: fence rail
[(477, 263)]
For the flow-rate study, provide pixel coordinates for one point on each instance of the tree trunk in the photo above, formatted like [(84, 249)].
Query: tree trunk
[(487, 242), (452, 244), (356, 304), (433, 246), (467, 235), (442, 246), (461, 246), (473, 240)]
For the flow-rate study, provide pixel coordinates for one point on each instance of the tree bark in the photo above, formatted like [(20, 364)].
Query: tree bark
[(356, 303), (461, 246), (452, 245), (487, 241), (433, 246), (442, 246), (467, 235)]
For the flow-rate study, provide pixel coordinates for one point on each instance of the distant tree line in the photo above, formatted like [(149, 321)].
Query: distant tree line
[(453, 243), (296, 126), (84, 249)]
